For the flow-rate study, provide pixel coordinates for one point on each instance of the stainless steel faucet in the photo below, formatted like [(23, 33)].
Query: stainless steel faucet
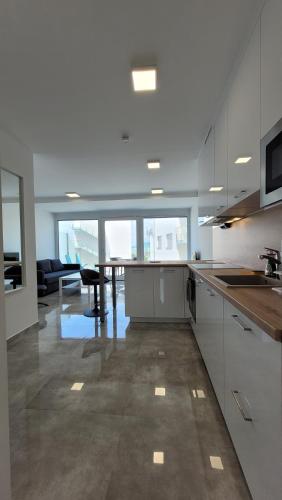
[(272, 257)]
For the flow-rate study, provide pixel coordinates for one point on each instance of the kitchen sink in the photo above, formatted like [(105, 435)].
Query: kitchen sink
[(251, 280)]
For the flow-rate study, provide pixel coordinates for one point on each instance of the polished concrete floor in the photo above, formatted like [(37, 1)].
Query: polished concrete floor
[(114, 412)]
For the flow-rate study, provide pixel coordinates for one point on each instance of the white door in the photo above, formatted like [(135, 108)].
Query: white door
[(169, 292), (139, 292)]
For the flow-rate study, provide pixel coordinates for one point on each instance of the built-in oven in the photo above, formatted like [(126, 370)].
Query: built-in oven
[(191, 294), (271, 166)]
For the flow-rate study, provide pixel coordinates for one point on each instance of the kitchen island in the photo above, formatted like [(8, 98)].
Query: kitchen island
[(154, 290)]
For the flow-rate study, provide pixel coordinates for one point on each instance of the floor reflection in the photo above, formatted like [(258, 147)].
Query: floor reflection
[(114, 411)]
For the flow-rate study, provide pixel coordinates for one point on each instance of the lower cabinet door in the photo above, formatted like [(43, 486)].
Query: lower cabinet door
[(209, 334), (213, 341), (169, 293), (139, 292), (253, 402), (200, 313)]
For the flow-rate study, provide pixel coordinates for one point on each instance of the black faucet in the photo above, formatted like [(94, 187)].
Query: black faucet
[(273, 261)]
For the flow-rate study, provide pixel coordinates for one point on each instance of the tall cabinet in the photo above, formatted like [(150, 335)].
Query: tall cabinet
[(271, 65), (244, 124), (236, 131)]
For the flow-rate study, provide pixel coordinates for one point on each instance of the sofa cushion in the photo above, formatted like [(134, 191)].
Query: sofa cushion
[(44, 265), (57, 265)]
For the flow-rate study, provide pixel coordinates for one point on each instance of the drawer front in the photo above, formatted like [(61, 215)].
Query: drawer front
[(253, 401)]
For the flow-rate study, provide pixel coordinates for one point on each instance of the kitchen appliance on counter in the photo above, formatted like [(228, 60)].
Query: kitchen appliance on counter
[(271, 166)]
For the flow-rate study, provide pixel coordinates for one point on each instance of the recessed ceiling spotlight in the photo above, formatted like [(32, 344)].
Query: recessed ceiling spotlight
[(243, 159), (125, 138), (216, 188), (157, 191), (235, 219), (73, 195), (144, 79), (153, 164)]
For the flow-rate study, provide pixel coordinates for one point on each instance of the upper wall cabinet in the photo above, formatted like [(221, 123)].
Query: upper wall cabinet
[(220, 160), (244, 124), (206, 175), (271, 65)]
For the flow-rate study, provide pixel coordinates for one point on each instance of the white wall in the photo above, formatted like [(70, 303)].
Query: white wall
[(11, 227), (4, 421), (44, 234), (21, 305), (205, 242), (194, 229)]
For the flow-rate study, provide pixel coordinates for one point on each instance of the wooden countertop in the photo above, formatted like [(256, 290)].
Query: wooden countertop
[(262, 305)]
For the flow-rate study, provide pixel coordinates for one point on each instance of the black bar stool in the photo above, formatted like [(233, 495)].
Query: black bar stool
[(90, 277)]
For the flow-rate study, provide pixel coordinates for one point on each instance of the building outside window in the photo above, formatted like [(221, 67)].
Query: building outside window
[(78, 242), (172, 230)]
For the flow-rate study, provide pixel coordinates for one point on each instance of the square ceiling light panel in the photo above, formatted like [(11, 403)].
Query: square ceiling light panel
[(144, 79)]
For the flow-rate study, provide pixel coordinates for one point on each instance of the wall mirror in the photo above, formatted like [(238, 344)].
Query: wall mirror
[(12, 220)]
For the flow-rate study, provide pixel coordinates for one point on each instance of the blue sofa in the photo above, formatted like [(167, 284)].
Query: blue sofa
[(48, 273)]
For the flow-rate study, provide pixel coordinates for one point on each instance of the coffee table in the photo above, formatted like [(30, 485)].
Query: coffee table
[(70, 281)]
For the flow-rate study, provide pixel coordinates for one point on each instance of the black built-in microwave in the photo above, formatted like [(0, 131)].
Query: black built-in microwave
[(271, 166)]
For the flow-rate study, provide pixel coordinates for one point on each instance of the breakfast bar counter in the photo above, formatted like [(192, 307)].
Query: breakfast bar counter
[(131, 264)]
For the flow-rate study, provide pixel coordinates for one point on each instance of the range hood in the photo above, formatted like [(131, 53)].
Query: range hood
[(248, 206)]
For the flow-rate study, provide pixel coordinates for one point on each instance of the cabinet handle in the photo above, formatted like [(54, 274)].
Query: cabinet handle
[(210, 292), (138, 270), (169, 270), (241, 323), (235, 395)]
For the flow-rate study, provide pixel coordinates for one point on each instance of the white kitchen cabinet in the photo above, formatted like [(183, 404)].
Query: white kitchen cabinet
[(209, 335), (220, 160), (139, 292), (271, 65), (198, 326), (253, 402), (244, 365), (244, 124), (213, 341), (206, 175), (156, 292), (169, 292)]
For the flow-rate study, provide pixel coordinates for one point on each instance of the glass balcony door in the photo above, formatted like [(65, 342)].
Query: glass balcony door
[(120, 239), (165, 238), (78, 242)]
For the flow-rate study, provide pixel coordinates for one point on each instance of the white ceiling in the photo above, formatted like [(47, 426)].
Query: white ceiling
[(65, 88)]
